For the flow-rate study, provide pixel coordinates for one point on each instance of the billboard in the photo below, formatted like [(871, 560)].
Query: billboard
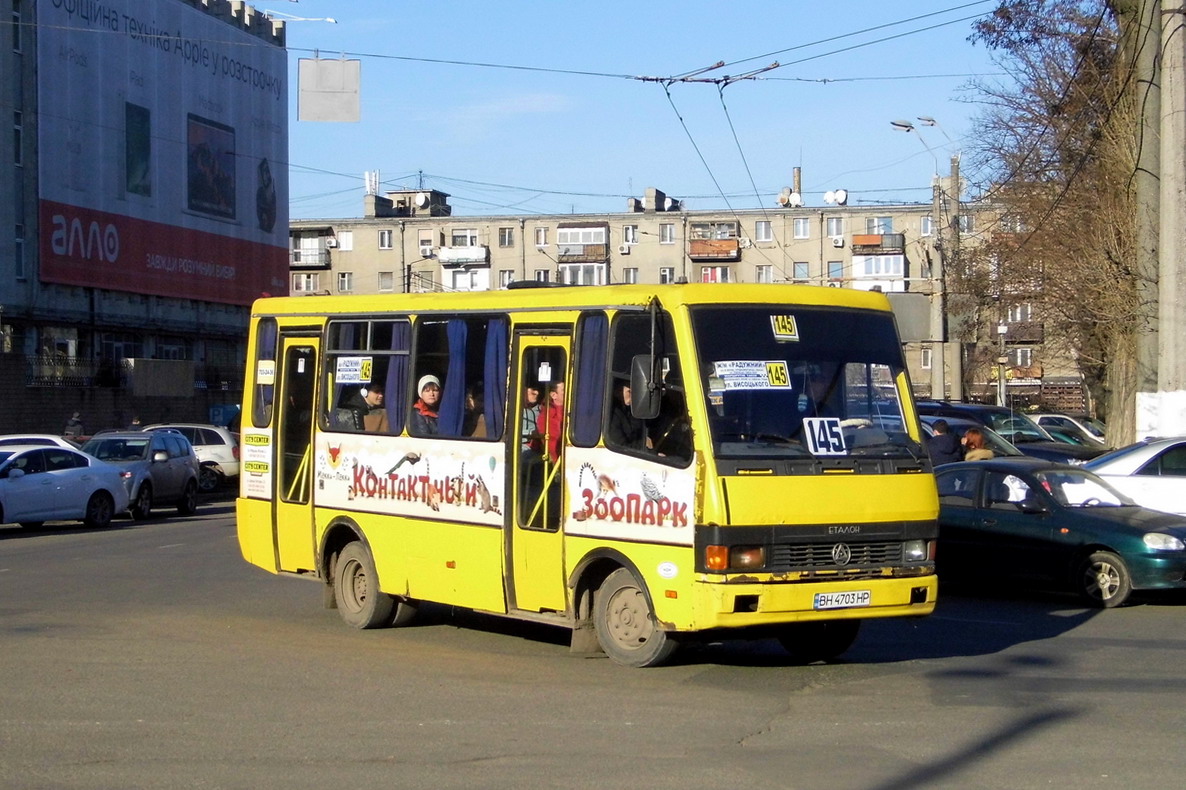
[(163, 139)]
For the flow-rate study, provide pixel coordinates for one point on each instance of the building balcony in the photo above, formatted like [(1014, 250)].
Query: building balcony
[(1025, 332), (309, 259), (582, 253), (878, 243), (464, 256), (714, 249)]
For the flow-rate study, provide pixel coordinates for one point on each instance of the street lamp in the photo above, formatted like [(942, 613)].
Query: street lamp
[(906, 126), (290, 18)]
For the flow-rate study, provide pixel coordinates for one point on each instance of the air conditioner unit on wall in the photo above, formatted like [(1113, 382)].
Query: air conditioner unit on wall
[(426, 252), (331, 243), (837, 241), (623, 249), (745, 242)]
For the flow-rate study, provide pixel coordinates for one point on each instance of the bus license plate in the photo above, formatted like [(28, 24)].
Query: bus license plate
[(842, 600)]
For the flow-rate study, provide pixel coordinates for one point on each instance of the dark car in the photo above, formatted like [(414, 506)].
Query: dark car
[(1036, 521), (1029, 437)]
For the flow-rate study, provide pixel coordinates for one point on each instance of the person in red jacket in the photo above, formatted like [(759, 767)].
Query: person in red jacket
[(550, 422)]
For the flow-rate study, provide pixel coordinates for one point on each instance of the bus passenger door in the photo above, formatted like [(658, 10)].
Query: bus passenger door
[(536, 582), (293, 461)]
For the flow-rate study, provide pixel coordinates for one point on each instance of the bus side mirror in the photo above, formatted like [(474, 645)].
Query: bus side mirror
[(645, 395)]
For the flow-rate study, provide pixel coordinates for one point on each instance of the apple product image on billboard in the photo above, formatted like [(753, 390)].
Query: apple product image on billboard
[(163, 138)]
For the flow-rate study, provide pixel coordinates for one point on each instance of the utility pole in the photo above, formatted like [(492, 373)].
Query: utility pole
[(1168, 412), (938, 317), (954, 350)]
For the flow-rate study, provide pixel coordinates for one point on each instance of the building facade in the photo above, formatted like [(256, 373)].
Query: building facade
[(142, 210)]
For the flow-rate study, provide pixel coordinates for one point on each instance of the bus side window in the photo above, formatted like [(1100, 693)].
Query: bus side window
[(468, 359)]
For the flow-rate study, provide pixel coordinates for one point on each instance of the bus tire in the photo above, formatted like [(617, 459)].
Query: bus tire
[(822, 640), (626, 627), (356, 589)]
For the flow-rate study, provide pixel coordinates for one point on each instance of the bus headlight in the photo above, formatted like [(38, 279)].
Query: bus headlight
[(747, 557), (915, 550)]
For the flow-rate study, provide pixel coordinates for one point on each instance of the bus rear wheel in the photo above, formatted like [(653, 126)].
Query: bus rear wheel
[(823, 640), (356, 590), (626, 627)]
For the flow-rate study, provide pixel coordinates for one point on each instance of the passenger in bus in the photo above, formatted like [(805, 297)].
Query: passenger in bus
[(550, 423), (425, 409), (362, 410), (474, 422), (625, 431), (530, 416), (817, 398)]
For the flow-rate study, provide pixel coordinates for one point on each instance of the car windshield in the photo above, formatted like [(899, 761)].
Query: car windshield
[(1017, 428), (1077, 488), (133, 449), (802, 382)]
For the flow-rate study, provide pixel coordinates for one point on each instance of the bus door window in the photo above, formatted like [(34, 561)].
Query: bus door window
[(265, 372), (296, 422), (539, 474)]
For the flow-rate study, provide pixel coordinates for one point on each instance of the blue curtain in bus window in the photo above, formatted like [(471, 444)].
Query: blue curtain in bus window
[(589, 395), (264, 393), (495, 393), (453, 387), (397, 376)]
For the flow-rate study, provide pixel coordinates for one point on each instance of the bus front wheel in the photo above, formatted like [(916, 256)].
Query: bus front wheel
[(356, 590), (819, 641), (626, 627)]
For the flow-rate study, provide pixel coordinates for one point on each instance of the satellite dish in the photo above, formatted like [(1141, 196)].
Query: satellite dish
[(668, 204), (784, 197), (421, 199), (829, 196), (841, 196), (795, 199)]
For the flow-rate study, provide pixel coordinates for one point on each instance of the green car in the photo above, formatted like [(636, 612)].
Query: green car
[(1053, 524)]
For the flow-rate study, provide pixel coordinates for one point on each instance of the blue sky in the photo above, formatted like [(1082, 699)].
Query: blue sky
[(538, 129)]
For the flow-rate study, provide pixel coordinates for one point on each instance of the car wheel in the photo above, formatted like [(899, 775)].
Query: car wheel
[(1103, 580), (99, 510), (626, 627), (819, 641), (189, 500), (143, 504), (356, 590), (209, 479)]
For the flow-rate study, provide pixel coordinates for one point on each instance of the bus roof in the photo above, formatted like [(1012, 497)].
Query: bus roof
[(574, 297)]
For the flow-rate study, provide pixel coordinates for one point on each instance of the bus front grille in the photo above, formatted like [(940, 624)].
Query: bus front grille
[(812, 556)]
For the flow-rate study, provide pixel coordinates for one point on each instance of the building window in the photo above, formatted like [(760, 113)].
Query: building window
[(17, 134), (714, 274), (711, 230), (572, 241), (466, 280), (1021, 357), (630, 275), (463, 237), (541, 275), (580, 273), (345, 282), (385, 239), (541, 237), (836, 271), (802, 271), (630, 234), (764, 273), (927, 223), (345, 240), (835, 226), (16, 25), (802, 227), (967, 223), (1020, 312), (666, 275), (667, 233), (926, 358), (879, 225), (880, 265), (763, 231), (506, 237), (386, 281), (304, 283), (505, 277), (422, 282)]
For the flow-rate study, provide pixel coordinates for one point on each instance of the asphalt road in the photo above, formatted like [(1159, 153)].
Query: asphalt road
[(150, 655)]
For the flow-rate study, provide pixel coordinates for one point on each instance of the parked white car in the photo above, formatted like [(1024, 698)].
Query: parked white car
[(40, 483), (41, 439), (1152, 472), (217, 449), (1089, 429)]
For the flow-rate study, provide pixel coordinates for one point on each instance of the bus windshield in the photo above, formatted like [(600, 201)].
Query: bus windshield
[(802, 382)]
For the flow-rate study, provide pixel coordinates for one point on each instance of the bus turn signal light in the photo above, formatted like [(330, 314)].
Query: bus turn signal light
[(716, 558)]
